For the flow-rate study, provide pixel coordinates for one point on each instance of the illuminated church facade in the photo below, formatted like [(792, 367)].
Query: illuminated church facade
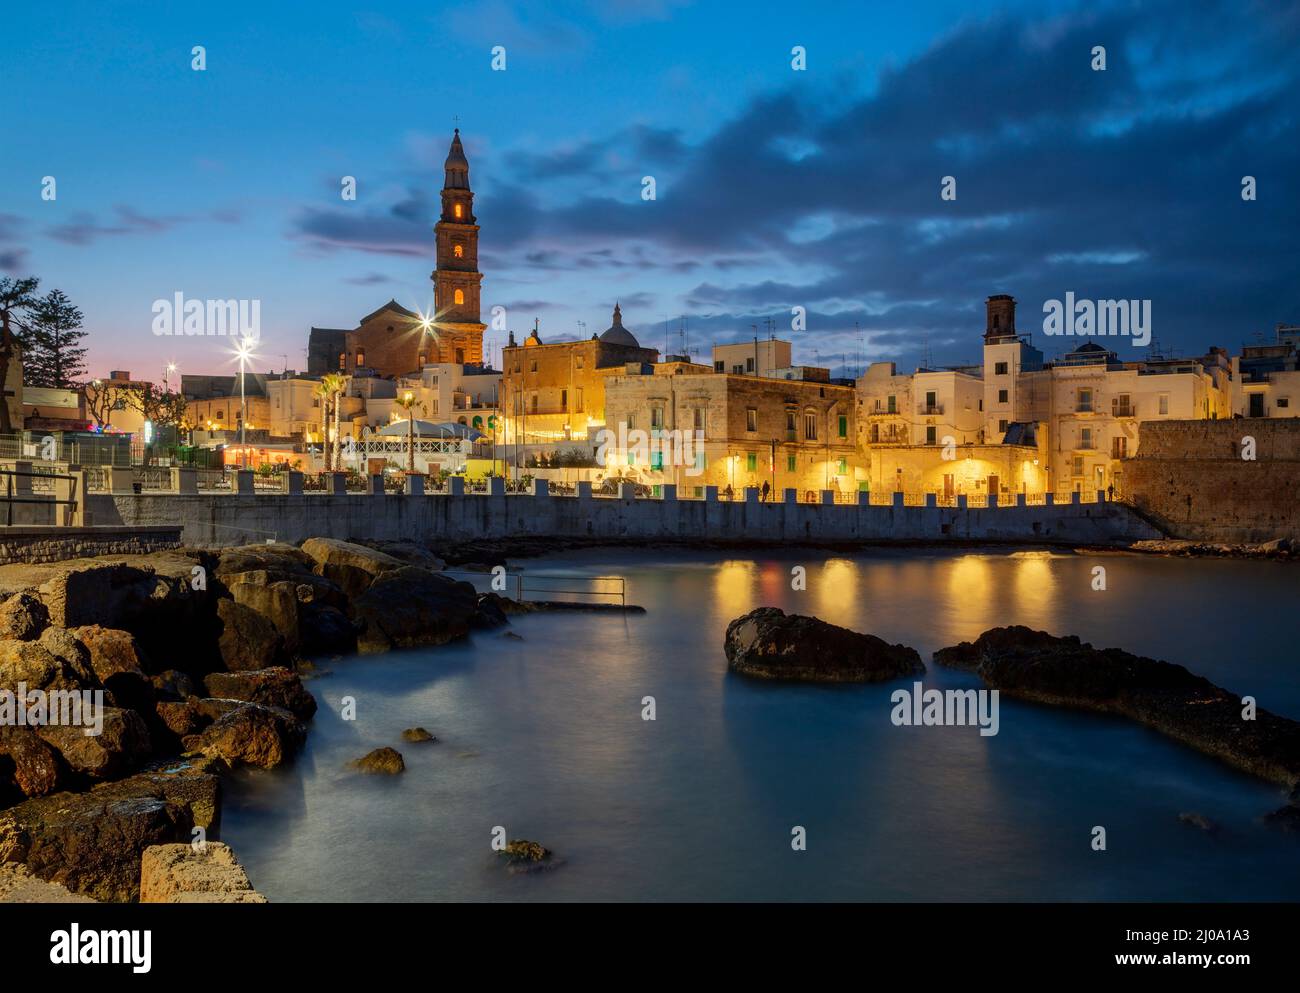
[(394, 341)]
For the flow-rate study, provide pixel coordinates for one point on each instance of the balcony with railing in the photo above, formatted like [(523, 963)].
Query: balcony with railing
[(929, 409)]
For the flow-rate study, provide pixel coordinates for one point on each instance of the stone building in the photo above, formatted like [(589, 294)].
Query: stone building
[(394, 341), (212, 406), (555, 393), (1266, 377), (1022, 424), (786, 433)]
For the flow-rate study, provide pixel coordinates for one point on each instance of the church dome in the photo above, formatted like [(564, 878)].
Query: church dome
[(616, 334)]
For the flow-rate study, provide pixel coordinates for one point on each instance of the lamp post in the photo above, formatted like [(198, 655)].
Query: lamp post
[(243, 352)]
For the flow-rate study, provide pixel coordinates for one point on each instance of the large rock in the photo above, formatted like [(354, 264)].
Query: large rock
[(176, 720), (1037, 666), (155, 597), (23, 617), (410, 606), (408, 552), (180, 874), (92, 842), (248, 640), (769, 644), (33, 664), (115, 658), (283, 561), (275, 687), (382, 761), (281, 583), (33, 765), (172, 684), (275, 600), (351, 566), (121, 747), (326, 631), (250, 734)]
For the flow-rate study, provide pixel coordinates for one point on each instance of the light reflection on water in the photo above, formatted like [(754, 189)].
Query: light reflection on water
[(544, 737)]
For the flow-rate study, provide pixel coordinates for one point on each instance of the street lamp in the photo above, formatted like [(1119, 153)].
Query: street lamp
[(243, 353)]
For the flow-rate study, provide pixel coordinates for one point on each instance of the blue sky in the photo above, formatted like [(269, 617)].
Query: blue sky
[(776, 188)]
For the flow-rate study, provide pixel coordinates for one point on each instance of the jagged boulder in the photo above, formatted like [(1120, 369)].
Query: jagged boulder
[(92, 842), (410, 606), (248, 640), (282, 561), (172, 684), (382, 761), (408, 552), (250, 734), (274, 687), (277, 601), (34, 665), (351, 566), (1065, 671), (182, 874), (122, 745), (326, 631), (491, 611), (28, 766), (23, 617), (115, 657), (767, 643), (176, 720)]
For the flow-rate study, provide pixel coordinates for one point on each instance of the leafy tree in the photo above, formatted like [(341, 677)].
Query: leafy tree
[(17, 297), (53, 353), (159, 405)]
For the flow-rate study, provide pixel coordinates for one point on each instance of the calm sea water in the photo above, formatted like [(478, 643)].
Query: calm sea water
[(544, 737)]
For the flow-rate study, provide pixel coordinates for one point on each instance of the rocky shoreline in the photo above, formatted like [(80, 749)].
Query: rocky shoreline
[(768, 644), (1279, 549), (196, 657), (1064, 671)]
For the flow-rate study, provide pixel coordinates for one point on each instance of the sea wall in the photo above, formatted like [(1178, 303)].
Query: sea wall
[(1191, 480), (57, 544), (219, 519)]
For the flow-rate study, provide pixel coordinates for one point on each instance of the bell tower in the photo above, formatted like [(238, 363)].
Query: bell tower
[(457, 330)]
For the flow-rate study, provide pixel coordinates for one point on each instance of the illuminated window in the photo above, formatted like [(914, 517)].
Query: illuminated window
[(422, 359), (460, 296), (361, 356), (459, 251), (457, 210), (343, 360)]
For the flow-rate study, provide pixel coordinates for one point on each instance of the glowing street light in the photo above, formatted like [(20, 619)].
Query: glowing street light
[(243, 354)]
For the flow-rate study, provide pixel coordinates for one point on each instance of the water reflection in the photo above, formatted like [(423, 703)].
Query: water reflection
[(545, 736)]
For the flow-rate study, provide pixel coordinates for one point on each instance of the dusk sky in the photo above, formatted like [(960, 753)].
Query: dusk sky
[(775, 188)]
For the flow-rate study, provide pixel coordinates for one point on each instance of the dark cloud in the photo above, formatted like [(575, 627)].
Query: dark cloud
[(85, 228), (1122, 183)]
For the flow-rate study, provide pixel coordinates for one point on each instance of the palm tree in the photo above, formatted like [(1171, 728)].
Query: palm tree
[(407, 402), (324, 392), (338, 383), (329, 389)]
